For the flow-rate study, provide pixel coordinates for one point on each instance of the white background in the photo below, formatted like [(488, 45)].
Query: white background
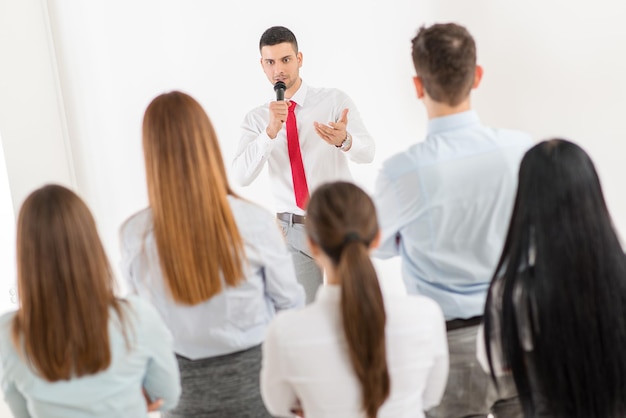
[(76, 76), (8, 296)]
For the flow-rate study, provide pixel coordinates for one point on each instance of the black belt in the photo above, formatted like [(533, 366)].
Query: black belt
[(463, 323), (292, 218)]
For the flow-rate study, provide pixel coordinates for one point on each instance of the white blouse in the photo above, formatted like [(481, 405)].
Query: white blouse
[(306, 362)]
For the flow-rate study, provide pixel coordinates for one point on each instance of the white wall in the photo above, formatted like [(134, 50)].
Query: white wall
[(8, 295), (551, 68), (32, 119)]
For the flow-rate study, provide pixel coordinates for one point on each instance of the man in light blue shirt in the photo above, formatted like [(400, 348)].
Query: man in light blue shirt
[(444, 206)]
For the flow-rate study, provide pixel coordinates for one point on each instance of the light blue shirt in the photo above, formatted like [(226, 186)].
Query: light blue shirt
[(235, 319), (444, 206), (148, 362)]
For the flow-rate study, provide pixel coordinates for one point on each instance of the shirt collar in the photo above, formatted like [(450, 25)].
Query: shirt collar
[(452, 122), (328, 293), (300, 96)]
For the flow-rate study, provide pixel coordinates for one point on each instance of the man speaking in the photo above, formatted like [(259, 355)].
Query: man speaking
[(306, 137)]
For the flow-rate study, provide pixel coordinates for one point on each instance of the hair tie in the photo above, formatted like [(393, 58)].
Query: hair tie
[(352, 236)]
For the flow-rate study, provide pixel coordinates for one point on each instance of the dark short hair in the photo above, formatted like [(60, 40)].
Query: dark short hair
[(444, 56), (277, 35)]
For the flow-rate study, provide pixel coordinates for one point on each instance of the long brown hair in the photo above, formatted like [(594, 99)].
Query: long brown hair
[(197, 238), (341, 219), (65, 287)]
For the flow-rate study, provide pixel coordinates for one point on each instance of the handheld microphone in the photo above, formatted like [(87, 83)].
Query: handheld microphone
[(280, 88)]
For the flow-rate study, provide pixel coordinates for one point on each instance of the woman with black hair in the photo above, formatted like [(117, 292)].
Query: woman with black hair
[(555, 315), (353, 353)]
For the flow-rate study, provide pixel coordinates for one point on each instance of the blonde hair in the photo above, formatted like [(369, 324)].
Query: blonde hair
[(197, 239)]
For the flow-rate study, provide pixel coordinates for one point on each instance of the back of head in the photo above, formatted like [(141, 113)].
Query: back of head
[(277, 35), (341, 220), (444, 56), (195, 231), (563, 255), (65, 286)]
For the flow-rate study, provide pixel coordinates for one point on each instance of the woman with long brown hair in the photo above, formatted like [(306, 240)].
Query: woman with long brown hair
[(72, 348), (353, 353), (215, 266)]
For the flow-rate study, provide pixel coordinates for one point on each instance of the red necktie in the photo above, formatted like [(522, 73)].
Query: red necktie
[(300, 188)]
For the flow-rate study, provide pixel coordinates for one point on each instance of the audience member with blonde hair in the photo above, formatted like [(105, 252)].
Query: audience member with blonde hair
[(215, 265), (353, 352), (72, 349)]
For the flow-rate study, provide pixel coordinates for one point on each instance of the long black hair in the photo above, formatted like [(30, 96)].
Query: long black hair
[(563, 265)]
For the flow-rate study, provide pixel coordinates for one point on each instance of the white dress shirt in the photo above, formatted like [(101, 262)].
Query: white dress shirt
[(148, 362), (235, 319), (322, 162), (444, 206), (306, 362)]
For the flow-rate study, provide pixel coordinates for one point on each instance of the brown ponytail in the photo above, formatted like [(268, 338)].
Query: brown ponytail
[(341, 219)]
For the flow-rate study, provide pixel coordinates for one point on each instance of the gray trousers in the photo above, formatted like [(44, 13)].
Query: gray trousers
[(308, 274), (470, 392)]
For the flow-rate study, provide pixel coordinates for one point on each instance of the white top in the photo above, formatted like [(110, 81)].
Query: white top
[(236, 318), (524, 328), (305, 359), (444, 206), (148, 362), (322, 162)]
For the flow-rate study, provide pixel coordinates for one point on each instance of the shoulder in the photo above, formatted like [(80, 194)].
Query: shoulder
[(292, 324), (136, 224), (140, 309), (142, 316), (143, 325), (251, 218), (329, 93), (6, 340), (7, 318), (257, 114), (248, 209), (402, 162)]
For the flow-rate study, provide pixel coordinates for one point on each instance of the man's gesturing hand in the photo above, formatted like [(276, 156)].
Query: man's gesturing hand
[(335, 132)]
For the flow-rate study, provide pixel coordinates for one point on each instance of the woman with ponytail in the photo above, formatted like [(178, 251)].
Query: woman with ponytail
[(353, 352)]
